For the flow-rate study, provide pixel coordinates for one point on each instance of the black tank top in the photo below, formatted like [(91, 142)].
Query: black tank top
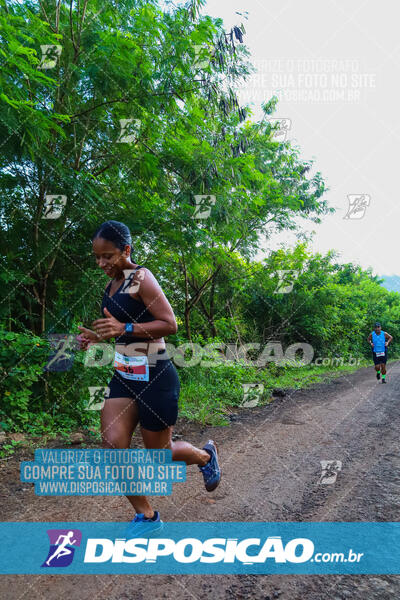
[(126, 309)]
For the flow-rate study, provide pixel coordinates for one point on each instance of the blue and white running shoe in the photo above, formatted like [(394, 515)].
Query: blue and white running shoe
[(140, 526), (211, 471)]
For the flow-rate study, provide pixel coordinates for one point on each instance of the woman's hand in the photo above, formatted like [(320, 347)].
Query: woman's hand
[(87, 337), (108, 327)]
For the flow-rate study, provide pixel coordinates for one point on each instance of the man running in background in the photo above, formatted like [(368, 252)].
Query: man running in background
[(379, 341)]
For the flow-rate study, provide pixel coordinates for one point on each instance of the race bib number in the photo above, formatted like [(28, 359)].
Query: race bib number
[(135, 368), (380, 353)]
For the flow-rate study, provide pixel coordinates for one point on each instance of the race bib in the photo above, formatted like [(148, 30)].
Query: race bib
[(380, 353), (132, 367)]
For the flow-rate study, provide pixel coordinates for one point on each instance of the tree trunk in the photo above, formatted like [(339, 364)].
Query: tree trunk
[(43, 306), (187, 322), (212, 308), (209, 318)]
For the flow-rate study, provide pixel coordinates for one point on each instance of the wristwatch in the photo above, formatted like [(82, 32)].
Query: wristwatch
[(129, 328)]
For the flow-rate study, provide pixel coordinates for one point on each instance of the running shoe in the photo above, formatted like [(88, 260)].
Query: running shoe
[(211, 471), (140, 526), (378, 376)]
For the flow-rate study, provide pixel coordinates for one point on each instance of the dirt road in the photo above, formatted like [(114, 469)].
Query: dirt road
[(271, 468)]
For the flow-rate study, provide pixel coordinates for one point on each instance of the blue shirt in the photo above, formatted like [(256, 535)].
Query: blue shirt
[(379, 341)]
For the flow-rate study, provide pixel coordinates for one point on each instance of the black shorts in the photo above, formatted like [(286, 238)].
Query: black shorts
[(379, 360), (157, 399)]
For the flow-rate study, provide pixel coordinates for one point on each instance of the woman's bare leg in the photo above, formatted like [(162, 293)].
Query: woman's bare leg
[(182, 451), (119, 418)]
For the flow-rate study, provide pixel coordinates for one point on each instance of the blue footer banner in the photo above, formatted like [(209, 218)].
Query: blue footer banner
[(195, 548)]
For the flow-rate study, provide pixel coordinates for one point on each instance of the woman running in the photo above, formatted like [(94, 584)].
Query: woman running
[(145, 386)]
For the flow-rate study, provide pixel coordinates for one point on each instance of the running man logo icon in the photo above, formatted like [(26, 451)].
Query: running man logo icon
[(281, 127), (203, 53), (50, 55), (53, 206), (358, 204), (98, 395), (62, 347), (62, 547), (330, 470), (203, 205), (287, 279), (130, 131), (252, 394), (130, 286)]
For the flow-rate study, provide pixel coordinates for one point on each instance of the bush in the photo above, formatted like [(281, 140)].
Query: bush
[(44, 402), (22, 356)]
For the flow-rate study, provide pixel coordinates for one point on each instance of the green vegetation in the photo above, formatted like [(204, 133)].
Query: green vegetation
[(165, 79)]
